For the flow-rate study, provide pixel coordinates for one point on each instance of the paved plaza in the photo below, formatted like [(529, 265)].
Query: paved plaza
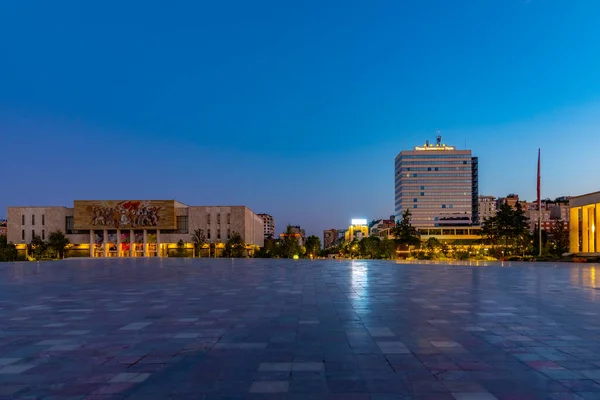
[(283, 329)]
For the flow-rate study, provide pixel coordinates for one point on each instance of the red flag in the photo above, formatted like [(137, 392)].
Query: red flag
[(539, 199)]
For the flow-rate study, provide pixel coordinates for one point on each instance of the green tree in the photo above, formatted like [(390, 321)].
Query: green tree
[(58, 242), (387, 248), (290, 246), (404, 232), (559, 238), (37, 247), (432, 244), (369, 246), (313, 245), (199, 240), (180, 252), (235, 246), (444, 248), (520, 229), (8, 251), (509, 228)]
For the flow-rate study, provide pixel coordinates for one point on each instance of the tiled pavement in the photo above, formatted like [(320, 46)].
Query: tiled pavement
[(283, 329)]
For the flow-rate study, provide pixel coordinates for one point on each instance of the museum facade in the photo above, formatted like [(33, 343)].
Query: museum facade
[(134, 228)]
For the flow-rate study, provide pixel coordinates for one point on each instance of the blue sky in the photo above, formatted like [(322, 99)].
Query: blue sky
[(292, 108)]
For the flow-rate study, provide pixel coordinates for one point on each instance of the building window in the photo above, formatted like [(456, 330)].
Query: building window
[(218, 234), (43, 234), (22, 220), (32, 234), (218, 218), (182, 224), (228, 218), (208, 219), (69, 225), (23, 233), (43, 219), (228, 233), (208, 235), (33, 219)]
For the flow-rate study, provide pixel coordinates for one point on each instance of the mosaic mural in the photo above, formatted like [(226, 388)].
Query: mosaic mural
[(124, 214)]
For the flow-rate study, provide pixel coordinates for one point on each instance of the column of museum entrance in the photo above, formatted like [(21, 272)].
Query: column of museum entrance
[(124, 243)]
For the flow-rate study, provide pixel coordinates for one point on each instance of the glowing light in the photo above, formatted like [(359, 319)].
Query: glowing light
[(295, 257)]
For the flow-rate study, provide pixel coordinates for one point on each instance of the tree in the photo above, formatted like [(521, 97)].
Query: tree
[(8, 251), (313, 245), (520, 228), (509, 227), (386, 249), (432, 244), (290, 246), (404, 232), (37, 247), (235, 245), (199, 240), (369, 246), (180, 252), (58, 242), (559, 238)]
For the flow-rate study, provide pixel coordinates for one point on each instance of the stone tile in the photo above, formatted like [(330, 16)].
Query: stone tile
[(275, 367), (15, 369), (446, 344), (393, 347), (76, 332), (269, 387), (8, 361), (186, 335), (380, 332), (474, 396), (134, 326), (308, 366)]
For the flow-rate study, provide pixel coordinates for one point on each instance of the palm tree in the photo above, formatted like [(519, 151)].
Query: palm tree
[(58, 242), (235, 245), (199, 240)]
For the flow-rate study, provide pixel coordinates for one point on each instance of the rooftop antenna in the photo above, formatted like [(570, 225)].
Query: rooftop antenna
[(438, 138)]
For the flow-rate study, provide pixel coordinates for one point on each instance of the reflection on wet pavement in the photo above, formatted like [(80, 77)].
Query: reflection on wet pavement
[(284, 329)]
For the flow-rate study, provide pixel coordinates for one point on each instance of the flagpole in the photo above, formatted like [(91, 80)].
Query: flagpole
[(539, 201)]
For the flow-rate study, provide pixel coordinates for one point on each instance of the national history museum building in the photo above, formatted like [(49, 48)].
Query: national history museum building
[(135, 228)]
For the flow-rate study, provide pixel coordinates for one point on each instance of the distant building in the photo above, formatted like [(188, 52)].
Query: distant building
[(380, 225), (297, 232), (438, 184), (330, 238), (357, 230), (486, 207), (3, 227), (512, 200), (269, 224)]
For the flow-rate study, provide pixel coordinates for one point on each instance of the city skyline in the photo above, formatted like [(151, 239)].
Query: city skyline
[(292, 112)]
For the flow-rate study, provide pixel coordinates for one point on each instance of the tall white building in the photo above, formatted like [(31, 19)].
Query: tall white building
[(438, 184)]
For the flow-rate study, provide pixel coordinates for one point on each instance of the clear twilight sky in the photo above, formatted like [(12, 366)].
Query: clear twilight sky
[(296, 109)]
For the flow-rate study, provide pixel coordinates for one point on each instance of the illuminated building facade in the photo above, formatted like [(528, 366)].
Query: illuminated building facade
[(134, 228), (438, 184), (584, 234), (357, 230)]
